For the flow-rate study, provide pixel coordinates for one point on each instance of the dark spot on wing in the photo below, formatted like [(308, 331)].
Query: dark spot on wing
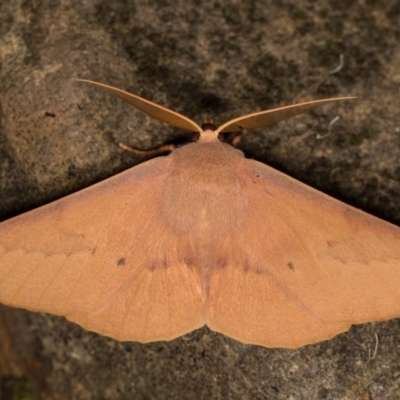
[(290, 265), (188, 261), (253, 267), (94, 250), (246, 266), (161, 263), (259, 270), (221, 263), (121, 261), (165, 262), (331, 243)]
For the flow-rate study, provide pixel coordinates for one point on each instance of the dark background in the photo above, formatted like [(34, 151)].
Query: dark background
[(205, 59)]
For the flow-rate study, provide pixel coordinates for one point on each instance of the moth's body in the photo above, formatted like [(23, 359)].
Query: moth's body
[(203, 236), (203, 177), (196, 203)]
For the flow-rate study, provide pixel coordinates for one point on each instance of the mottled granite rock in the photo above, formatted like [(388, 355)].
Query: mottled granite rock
[(204, 59)]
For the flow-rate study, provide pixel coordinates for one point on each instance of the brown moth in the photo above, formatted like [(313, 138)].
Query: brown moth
[(204, 236)]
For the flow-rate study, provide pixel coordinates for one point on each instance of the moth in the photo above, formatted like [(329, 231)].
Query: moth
[(203, 236)]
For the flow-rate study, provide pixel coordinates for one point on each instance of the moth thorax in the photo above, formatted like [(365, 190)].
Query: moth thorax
[(208, 136)]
